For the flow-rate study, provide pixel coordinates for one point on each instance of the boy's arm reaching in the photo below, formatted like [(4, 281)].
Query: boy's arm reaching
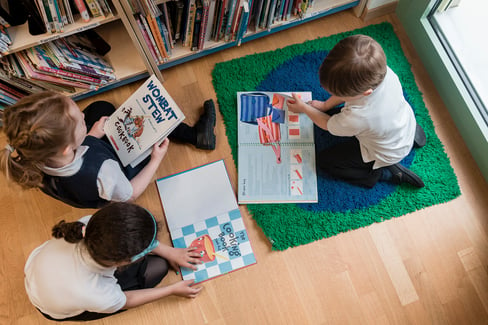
[(320, 118)]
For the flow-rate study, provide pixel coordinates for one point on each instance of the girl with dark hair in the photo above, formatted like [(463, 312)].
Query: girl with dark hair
[(104, 264)]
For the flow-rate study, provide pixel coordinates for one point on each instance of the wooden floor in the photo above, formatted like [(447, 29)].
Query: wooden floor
[(428, 267)]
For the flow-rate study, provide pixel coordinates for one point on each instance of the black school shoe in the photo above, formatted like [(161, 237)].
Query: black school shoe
[(420, 139), (205, 127), (401, 174)]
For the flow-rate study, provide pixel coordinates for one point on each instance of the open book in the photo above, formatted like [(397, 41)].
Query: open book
[(201, 211), (147, 117), (276, 150)]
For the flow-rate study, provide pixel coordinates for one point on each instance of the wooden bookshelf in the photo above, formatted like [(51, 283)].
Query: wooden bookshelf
[(22, 39), (131, 57), (123, 56)]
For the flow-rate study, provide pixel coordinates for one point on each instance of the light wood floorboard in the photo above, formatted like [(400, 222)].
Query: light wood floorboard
[(427, 267)]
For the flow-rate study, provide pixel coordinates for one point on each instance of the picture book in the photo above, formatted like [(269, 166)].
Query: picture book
[(276, 150), (201, 211), (147, 117)]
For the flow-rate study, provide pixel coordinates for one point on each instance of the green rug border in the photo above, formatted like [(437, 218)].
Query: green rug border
[(244, 74)]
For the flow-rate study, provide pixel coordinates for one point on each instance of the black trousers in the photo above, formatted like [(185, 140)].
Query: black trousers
[(344, 161), (146, 273)]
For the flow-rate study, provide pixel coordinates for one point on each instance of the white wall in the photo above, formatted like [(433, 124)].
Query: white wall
[(378, 3)]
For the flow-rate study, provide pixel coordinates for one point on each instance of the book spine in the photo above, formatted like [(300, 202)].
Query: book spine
[(147, 40), (29, 71), (11, 91), (203, 25), (151, 38), (197, 26), (167, 22), (230, 16), (153, 25), (54, 14), (244, 22), (94, 8), (80, 5), (189, 23), (164, 34)]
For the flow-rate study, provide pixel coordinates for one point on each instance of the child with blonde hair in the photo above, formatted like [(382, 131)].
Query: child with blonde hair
[(49, 148), (378, 121)]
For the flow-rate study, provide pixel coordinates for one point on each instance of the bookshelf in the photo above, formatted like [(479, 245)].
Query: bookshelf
[(131, 56)]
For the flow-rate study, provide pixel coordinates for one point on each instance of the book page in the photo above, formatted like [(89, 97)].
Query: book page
[(195, 195), (276, 150)]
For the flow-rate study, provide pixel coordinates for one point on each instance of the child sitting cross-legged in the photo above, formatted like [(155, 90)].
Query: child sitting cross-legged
[(49, 148)]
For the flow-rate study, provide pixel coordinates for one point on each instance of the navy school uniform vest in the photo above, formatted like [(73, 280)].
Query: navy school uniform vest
[(80, 190)]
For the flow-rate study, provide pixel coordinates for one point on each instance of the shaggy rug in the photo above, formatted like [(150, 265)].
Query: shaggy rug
[(341, 207)]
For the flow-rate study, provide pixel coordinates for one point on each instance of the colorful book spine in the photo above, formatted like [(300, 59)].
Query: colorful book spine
[(156, 33), (80, 5), (94, 7), (29, 71), (203, 25), (151, 38), (147, 40), (167, 22), (197, 25), (244, 22)]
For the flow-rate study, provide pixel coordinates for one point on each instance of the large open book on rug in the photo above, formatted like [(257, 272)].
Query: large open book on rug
[(276, 150)]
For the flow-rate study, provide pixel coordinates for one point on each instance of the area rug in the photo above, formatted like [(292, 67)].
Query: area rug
[(341, 207)]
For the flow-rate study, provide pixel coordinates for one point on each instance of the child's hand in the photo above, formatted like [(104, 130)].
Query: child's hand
[(295, 104), (186, 257), (184, 289), (159, 151), (97, 128)]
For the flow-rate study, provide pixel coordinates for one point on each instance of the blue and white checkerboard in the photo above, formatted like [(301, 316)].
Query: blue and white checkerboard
[(231, 243)]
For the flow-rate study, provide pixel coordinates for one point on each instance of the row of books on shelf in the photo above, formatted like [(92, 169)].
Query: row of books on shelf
[(68, 65), (194, 23), (53, 15)]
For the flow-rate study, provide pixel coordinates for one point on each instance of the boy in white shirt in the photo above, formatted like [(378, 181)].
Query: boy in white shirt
[(377, 118)]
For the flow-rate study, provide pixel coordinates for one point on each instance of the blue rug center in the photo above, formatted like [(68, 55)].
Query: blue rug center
[(301, 74)]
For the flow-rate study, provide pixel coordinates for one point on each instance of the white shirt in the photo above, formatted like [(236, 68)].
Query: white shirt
[(112, 183), (383, 122), (62, 280)]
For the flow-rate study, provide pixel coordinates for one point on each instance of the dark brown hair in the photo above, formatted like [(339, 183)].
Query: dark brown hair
[(37, 127), (113, 234), (355, 64)]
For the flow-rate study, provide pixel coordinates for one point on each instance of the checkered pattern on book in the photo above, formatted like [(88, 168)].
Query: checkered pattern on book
[(230, 242)]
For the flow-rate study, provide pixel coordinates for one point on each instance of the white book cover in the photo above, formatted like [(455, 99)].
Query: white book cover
[(201, 211), (147, 117)]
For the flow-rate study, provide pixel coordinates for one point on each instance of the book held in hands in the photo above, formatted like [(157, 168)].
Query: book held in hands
[(147, 117)]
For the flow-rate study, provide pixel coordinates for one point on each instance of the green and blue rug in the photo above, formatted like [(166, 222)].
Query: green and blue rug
[(341, 207)]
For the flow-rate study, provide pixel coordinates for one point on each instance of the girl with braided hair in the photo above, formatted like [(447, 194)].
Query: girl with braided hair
[(103, 264)]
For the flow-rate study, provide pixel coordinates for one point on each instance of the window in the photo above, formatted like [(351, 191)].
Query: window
[(459, 26)]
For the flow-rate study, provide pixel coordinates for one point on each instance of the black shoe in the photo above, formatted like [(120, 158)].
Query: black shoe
[(420, 139), (205, 127), (402, 174)]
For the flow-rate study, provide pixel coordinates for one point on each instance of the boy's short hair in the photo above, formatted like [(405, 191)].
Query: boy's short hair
[(355, 64)]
